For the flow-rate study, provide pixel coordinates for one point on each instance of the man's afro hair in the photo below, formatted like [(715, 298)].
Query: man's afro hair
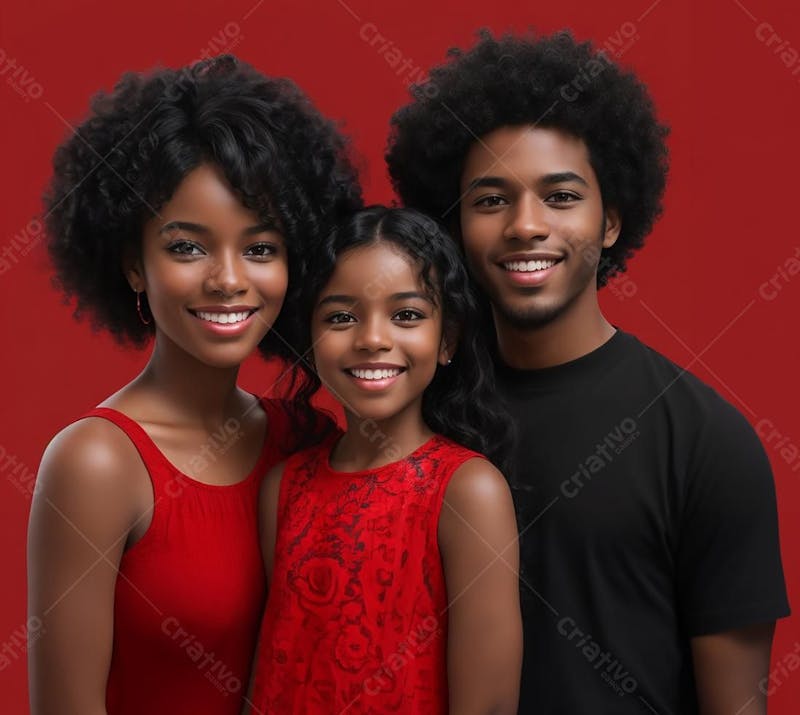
[(550, 81)]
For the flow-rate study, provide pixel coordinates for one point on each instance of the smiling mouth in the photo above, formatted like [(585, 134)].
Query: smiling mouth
[(223, 318), (529, 266), (378, 374)]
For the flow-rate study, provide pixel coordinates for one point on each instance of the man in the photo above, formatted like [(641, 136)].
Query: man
[(651, 571)]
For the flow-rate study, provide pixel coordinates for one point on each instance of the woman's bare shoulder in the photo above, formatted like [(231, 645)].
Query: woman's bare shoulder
[(92, 454)]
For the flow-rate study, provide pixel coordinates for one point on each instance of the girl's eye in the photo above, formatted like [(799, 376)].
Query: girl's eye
[(262, 250), (408, 315), (185, 248), (339, 318), (562, 197), (490, 202)]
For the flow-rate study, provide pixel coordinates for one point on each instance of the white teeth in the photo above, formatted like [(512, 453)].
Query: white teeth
[(223, 317), (529, 266), (375, 374)]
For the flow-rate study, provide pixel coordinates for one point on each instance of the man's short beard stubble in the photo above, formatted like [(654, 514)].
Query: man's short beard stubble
[(533, 317)]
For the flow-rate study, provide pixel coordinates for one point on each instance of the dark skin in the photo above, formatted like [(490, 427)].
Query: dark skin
[(357, 322), (94, 499), (542, 201)]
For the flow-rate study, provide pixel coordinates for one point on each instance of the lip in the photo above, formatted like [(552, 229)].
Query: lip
[(374, 385), (375, 366), (225, 329), (532, 278), (238, 308), (530, 256)]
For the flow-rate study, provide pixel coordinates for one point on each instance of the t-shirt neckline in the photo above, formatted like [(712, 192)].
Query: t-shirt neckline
[(573, 372)]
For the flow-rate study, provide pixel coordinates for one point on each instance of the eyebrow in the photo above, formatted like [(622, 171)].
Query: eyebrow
[(563, 177), (559, 177), (199, 228), (411, 294), (351, 300)]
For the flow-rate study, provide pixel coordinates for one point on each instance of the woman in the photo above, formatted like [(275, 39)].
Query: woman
[(181, 209)]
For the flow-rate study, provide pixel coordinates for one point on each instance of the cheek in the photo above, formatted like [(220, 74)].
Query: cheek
[(479, 232), (272, 279), (424, 345), (585, 221), (321, 332), (172, 282), (586, 243), (328, 344), (474, 250)]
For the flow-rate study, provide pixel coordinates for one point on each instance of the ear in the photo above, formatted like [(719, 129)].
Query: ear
[(134, 271), (447, 348), (613, 225)]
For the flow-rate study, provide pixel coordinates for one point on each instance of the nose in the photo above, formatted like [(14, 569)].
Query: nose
[(227, 275), (528, 220), (373, 334)]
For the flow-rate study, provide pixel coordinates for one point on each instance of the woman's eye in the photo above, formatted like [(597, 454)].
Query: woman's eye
[(408, 315), (339, 318), (490, 201), (185, 248), (562, 197), (262, 250)]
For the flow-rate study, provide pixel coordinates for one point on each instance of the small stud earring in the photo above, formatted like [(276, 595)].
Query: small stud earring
[(139, 308), (449, 361)]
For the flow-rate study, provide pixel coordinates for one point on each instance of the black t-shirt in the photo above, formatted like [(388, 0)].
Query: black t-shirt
[(647, 515)]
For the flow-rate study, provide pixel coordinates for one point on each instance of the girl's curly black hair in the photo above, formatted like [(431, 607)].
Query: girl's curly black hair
[(461, 402), (551, 81), (126, 160)]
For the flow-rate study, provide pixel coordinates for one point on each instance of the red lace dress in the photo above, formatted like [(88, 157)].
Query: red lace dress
[(356, 619)]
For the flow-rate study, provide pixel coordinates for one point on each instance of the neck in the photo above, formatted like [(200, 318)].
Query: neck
[(579, 330), (188, 389), (370, 443)]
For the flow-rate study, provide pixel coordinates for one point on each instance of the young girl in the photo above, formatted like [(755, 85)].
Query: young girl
[(178, 210), (391, 549)]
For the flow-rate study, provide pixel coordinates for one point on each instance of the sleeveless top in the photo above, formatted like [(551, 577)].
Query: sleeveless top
[(189, 594), (356, 618)]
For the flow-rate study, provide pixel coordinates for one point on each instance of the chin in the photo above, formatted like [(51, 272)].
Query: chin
[(374, 412), (223, 360), (531, 315)]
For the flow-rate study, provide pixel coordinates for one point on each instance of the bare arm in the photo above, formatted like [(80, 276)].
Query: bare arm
[(81, 514), (478, 542), (268, 516), (731, 670), (267, 529)]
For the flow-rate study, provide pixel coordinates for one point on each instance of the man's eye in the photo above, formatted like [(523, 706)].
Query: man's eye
[(562, 197), (408, 314), (185, 248), (262, 250), (490, 201)]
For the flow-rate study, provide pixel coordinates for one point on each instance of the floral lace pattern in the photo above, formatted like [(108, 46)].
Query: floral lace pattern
[(356, 617)]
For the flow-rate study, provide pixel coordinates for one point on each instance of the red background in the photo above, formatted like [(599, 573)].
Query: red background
[(693, 293)]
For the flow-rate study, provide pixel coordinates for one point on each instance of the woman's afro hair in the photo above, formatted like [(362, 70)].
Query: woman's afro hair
[(551, 81), (125, 161)]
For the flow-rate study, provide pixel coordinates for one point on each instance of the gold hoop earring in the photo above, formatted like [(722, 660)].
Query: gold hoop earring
[(139, 308)]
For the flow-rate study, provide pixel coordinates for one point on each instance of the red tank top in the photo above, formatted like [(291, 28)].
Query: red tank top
[(190, 592), (356, 620)]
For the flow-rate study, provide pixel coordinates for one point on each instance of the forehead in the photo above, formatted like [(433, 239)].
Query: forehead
[(205, 198), (205, 184), (378, 269), (527, 152)]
